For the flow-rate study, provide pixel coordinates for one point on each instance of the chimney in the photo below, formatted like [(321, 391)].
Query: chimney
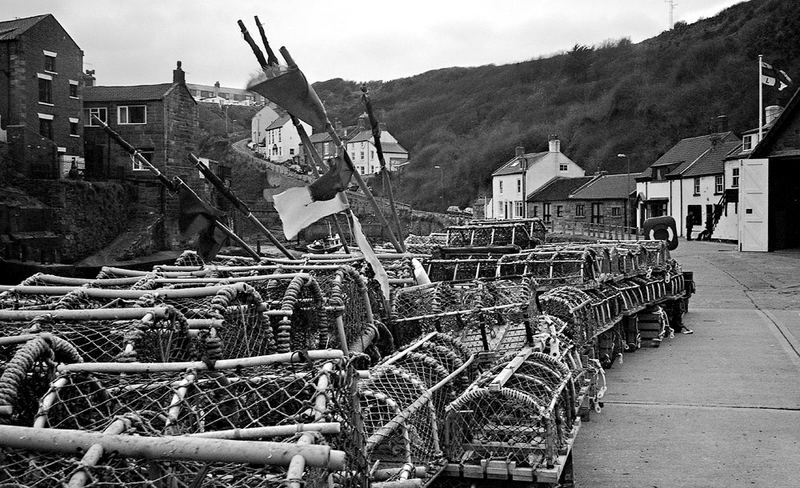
[(88, 78), (721, 123), (771, 113), (216, 88), (178, 76), (519, 151), (555, 144), (337, 124), (362, 121)]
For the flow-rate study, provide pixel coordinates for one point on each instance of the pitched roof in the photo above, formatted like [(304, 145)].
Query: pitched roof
[(513, 166), (712, 161), (363, 135), (318, 137), (766, 147), (138, 93), (392, 147), (279, 122), (606, 187), (558, 188), (12, 29), (686, 152)]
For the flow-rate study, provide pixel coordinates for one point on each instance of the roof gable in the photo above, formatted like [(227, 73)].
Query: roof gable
[(279, 122), (781, 140), (713, 160), (12, 29), (514, 165), (135, 93)]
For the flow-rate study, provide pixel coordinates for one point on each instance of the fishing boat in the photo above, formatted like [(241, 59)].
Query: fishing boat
[(328, 245)]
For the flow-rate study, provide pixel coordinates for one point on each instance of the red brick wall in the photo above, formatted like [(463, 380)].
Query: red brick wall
[(24, 59)]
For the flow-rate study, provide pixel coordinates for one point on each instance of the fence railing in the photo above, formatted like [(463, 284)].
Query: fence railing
[(589, 229)]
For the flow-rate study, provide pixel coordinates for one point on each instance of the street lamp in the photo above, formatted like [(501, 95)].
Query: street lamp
[(441, 180), (627, 187)]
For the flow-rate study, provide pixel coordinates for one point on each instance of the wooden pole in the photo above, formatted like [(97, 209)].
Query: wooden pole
[(238, 204), (376, 136), (338, 142), (170, 448)]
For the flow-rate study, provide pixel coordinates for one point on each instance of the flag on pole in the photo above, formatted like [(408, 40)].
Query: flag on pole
[(369, 256), (197, 217), (774, 77), (301, 206)]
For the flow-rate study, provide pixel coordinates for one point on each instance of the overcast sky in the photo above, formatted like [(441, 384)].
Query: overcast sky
[(130, 42)]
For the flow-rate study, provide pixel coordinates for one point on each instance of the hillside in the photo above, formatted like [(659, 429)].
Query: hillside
[(616, 97)]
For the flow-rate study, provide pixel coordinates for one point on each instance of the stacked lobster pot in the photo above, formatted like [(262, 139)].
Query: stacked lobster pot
[(225, 374)]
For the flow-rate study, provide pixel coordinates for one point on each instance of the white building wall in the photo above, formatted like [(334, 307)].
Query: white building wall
[(508, 203), (547, 168), (261, 120), (727, 226), (365, 155), (285, 140)]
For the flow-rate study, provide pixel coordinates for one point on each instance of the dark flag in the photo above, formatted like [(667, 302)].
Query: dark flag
[(197, 217), (774, 77), (335, 180)]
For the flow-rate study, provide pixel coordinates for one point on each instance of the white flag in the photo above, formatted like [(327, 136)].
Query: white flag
[(369, 256), (297, 210)]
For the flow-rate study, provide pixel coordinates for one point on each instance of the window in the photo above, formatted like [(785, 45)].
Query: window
[(735, 178), (45, 88), (373, 154), (719, 185), (147, 153), (580, 210), (559, 210), (693, 214), (563, 167), (546, 212), (597, 216), (46, 125), (73, 127), (519, 209), (501, 187), (132, 114), (362, 154), (50, 61), (747, 143), (291, 152), (535, 210), (279, 135), (519, 185), (99, 112), (697, 186), (616, 211), (73, 89)]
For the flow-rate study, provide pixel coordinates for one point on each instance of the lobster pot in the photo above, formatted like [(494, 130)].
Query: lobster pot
[(33, 468), (424, 244), (652, 289), (156, 335), (400, 421), (182, 398), (561, 267), (630, 292), (521, 411), (463, 269), (610, 344), (478, 313), (652, 325), (191, 258), (526, 234), (26, 369), (676, 284), (573, 306), (607, 305)]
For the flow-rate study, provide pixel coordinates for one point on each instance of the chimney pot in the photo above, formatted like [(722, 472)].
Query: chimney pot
[(555, 144), (178, 76), (722, 123), (520, 151)]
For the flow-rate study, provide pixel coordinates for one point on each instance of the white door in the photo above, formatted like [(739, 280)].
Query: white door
[(754, 205)]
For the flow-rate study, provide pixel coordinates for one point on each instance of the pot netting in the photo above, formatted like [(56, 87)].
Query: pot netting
[(424, 244), (526, 417), (573, 306), (522, 234), (461, 269), (26, 370), (482, 315), (152, 338)]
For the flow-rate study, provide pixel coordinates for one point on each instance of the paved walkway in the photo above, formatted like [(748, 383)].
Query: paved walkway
[(719, 408)]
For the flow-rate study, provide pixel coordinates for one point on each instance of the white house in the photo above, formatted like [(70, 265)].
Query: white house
[(258, 126), (523, 175), (365, 156), (282, 140), (688, 182)]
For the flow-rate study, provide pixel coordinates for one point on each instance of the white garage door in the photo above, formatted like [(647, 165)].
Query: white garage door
[(754, 205)]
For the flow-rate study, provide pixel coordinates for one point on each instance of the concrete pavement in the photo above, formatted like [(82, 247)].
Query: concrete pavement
[(719, 408)]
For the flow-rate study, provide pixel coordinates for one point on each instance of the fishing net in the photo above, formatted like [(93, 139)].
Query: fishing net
[(27, 366)]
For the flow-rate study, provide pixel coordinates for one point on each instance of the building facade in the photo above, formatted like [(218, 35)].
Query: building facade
[(224, 95), (40, 110), (162, 122), (282, 140), (258, 125), (524, 174)]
